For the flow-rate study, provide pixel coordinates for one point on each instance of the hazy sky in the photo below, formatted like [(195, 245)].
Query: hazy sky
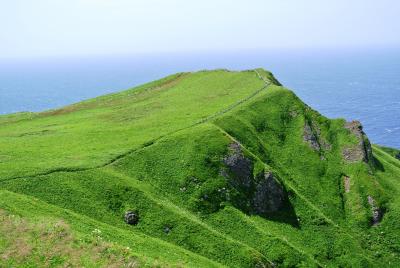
[(41, 28)]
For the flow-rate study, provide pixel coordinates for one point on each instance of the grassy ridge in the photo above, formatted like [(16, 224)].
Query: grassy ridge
[(91, 133), (161, 149)]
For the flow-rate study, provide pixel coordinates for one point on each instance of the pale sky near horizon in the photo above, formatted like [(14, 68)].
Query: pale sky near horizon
[(47, 28)]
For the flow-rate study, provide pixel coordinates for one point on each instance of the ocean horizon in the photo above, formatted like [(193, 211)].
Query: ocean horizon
[(363, 85)]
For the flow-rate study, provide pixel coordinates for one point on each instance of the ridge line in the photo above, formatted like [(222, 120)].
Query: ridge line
[(150, 142)]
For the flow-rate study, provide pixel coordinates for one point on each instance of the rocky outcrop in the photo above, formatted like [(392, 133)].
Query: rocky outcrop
[(131, 217), (376, 211), (312, 135), (363, 150), (240, 167), (269, 195), (311, 138), (167, 229), (263, 192)]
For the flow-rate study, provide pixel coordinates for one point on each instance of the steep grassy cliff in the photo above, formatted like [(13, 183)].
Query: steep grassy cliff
[(219, 168)]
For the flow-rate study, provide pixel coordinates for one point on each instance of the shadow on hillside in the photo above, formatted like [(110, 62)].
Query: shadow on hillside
[(377, 164), (286, 214)]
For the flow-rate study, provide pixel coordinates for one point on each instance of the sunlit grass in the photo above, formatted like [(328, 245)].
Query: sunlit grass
[(158, 149)]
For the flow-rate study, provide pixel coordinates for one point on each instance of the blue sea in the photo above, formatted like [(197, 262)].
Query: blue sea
[(356, 85)]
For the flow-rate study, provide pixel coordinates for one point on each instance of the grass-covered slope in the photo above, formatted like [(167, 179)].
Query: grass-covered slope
[(94, 132), (223, 169)]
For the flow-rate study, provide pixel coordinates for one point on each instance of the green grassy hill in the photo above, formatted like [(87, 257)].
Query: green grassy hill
[(222, 168)]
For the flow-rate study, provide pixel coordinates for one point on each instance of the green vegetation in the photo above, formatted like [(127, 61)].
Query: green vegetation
[(392, 151), (223, 168)]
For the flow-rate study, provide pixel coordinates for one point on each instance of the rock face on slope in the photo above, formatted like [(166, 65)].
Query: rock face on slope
[(363, 150), (240, 167), (131, 217), (375, 210), (312, 135), (269, 195), (264, 193)]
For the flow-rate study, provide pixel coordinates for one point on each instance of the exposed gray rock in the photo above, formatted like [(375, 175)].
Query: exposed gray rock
[(376, 211), (131, 217), (353, 154), (240, 167), (363, 150), (167, 229), (269, 195), (261, 194), (312, 135)]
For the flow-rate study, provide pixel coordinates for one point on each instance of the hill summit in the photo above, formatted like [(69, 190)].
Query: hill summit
[(205, 169)]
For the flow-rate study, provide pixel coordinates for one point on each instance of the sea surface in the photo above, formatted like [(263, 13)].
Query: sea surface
[(356, 85)]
